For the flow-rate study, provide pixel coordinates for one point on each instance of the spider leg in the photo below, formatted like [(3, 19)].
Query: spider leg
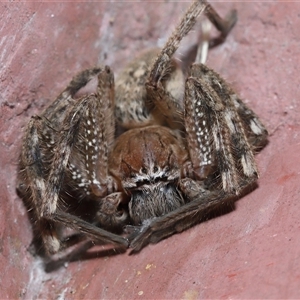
[(94, 233), (216, 138), (208, 134), (156, 85), (202, 202), (182, 218), (88, 162), (223, 25), (88, 132), (249, 123), (33, 177), (57, 110), (256, 132), (83, 141)]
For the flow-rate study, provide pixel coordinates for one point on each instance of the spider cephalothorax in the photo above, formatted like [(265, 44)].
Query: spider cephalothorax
[(186, 146)]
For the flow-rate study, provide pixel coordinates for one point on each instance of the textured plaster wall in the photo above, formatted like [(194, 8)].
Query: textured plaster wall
[(251, 252)]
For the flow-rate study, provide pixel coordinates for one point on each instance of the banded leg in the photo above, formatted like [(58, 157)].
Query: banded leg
[(80, 134), (85, 135), (248, 123), (156, 89), (217, 139), (56, 112), (88, 128), (33, 174), (202, 202), (255, 130), (215, 131)]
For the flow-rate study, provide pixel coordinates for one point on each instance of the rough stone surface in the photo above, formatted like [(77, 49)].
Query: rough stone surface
[(252, 252)]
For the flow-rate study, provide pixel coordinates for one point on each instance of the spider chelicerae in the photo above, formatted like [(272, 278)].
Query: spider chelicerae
[(185, 145)]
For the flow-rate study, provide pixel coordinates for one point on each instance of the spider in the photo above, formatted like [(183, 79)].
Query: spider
[(184, 146)]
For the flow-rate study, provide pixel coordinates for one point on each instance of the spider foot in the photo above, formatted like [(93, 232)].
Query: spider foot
[(148, 233)]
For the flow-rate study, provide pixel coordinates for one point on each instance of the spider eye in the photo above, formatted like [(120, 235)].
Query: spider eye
[(144, 170), (155, 169)]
